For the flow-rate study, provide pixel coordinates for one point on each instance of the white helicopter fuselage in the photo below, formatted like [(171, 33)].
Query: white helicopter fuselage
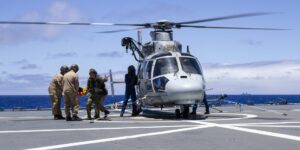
[(171, 78)]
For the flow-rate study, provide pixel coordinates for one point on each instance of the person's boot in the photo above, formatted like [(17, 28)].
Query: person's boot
[(122, 114), (55, 117), (96, 117), (68, 118), (106, 112), (89, 117), (206, 112), (139, 111), (59, 117), (193, 112), (76, 118)]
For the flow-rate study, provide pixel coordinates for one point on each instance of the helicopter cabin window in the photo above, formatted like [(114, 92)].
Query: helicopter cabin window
[(165, 66), (190, 65), (149, 68), (140, 71)]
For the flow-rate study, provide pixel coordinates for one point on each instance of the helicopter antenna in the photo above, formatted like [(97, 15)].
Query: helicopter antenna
[(140, 44), (188, 49), (139, 34)]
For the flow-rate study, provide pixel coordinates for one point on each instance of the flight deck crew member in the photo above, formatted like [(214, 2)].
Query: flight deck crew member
[(195, 106), (55, 91), (97, 94), (130, 81), (71, 87)]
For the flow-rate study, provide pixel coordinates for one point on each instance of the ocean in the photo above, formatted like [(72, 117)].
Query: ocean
[(9, 102)]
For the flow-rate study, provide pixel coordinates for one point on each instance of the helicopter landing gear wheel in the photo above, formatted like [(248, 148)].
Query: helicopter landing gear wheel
[(186, 112), (177, 113)]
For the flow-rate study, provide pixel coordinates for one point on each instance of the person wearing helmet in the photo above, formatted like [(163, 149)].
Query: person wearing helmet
[(55, 91), (96, 94), (71, 87)]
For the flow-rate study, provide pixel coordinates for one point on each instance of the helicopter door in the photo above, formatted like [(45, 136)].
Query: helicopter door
[(140, 76), (148, 76), (145, 77)]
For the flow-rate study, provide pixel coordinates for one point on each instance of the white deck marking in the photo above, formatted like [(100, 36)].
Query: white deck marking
[(273, 134), (267, 110), (243, 116), (119, 138), (91, 129), (128, 121), (265, 123), (266, 126)]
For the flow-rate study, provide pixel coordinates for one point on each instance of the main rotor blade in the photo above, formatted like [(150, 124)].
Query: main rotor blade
[(224, 18), (121, 30), (72, 23), (239, 28)]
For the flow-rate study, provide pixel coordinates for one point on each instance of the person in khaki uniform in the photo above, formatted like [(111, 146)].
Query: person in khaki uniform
[(97, 94), (71, 87), (55, 91)]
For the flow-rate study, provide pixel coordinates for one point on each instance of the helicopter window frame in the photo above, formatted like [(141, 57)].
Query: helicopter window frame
[(174, 69), (197, 70)]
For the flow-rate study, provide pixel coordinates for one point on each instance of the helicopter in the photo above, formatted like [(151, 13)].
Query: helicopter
[(166, 74)]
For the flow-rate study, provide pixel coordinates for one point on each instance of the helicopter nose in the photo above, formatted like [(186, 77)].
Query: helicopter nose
[(185, 86), (185, 91)]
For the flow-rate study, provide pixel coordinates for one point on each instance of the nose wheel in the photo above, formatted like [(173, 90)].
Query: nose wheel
[(185, 112), (177, 113)]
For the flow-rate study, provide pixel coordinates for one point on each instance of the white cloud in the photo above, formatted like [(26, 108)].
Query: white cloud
[(61, 55), (28, 84), (25, 65), (270, 77), (113, 54)]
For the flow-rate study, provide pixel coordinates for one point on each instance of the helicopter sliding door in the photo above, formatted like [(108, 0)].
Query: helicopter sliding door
[(145, 77)]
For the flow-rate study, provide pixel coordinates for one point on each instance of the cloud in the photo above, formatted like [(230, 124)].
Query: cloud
[(265, 77), (58, 11), (29, 66), (297, 69), (23, 61), (25, 65), (27, 84), (113, 54), (61, 55), (252, 64)]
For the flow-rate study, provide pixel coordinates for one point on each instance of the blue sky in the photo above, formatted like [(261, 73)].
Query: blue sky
[(234, 61)]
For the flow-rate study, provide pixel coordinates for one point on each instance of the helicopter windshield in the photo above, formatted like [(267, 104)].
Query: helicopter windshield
[(190, 65), (165, 66)]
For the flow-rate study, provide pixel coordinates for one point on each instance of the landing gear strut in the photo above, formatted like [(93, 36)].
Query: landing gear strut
[(177, 113), (186, 112)]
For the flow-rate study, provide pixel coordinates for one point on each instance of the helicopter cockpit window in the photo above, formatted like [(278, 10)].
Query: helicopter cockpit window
[(190, 65), (165, 65)]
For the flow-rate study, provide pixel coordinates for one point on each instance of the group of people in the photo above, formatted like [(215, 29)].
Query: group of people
[(66, 82)]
